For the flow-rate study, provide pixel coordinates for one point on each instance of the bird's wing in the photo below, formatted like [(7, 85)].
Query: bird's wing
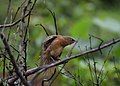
[(48, 41)]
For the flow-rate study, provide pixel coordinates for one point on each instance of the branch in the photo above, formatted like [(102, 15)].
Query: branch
[(43, 29), (17, 21), (12, 59), (54, 17), (45, 67)]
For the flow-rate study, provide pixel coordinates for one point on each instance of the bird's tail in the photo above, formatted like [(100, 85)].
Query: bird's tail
[(49, 73)]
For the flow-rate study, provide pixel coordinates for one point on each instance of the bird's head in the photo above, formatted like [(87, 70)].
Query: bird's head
[(69, 40)]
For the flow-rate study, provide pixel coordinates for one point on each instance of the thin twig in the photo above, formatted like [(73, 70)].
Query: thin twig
[(17, 21), (43, 68), (70, 75), (70, 52), (46, 80), (101, 70), (116, 69), (57, 74), (43, 28), (98, 39), (86, 58), (8, 11), (12, 59), (55, 23), (4, 65)]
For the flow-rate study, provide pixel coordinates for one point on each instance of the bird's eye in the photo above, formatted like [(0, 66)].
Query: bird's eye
[(73, 40)]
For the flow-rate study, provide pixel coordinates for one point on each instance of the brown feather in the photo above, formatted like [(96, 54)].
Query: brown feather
[(52, 49), (48, 41)]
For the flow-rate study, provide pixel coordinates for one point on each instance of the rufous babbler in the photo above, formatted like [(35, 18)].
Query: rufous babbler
[(52, 49)]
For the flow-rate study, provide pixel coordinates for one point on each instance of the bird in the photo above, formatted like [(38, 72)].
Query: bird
[(53, 47), (52, 50)]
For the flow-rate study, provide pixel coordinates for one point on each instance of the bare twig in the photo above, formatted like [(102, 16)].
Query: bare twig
[(12, 59), (12, 19), (43, 28), (14, 48), (70, 52), (18, 10), (98, 39), (89, 63), (116, 69), (101, 70), (24, 39), (57, 74), (17, 21), (46, 80), (4, 62), (70, 75), (8, 11), (54, 17), (43, 68)]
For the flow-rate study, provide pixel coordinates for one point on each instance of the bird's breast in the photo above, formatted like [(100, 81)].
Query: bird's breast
[(56, 52)]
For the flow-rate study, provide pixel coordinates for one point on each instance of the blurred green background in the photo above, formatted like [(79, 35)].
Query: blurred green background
[(76, 18)]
